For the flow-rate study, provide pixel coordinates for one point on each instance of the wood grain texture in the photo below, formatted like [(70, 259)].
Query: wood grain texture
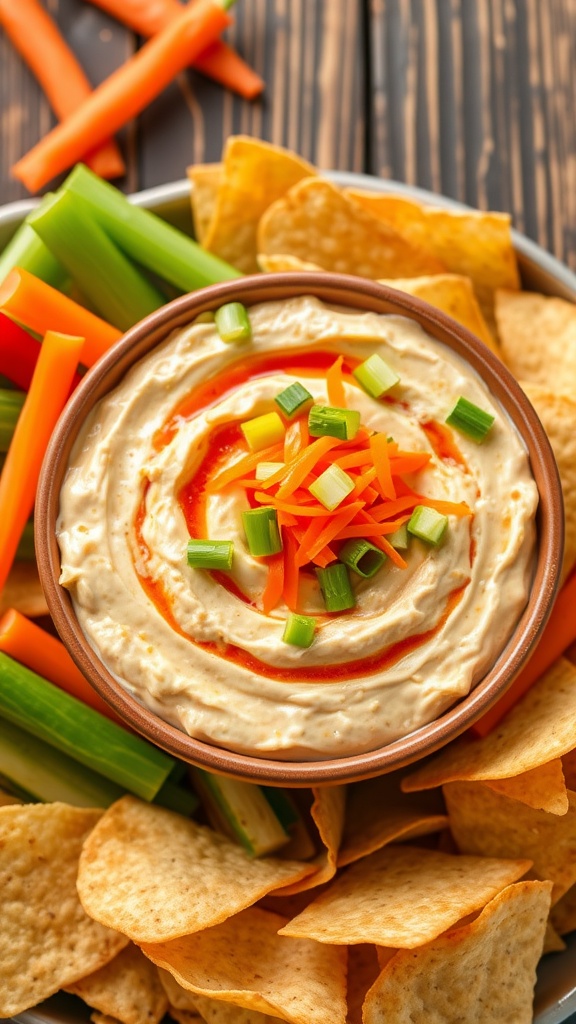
[(477, 100)]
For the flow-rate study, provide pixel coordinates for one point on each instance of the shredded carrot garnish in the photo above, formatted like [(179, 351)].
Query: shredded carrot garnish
[(354, 460), (371, 529), (303, 464), (381, 542), (332, 528), (275, 582), (408, 462), (363, 481), (244, 465), (335, 384), (296, 510), (379, 449), (296, 438), (291, 571), (447, 508)]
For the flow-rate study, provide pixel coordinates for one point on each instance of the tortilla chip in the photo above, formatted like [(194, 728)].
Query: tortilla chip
[(488, 824), (563, 913), (328, 814), (185, 1016), (403, 896), (454, 295), (543, 788), (46, 939), (255, 174), (127, 989), (538, 729), (472, 243), (205, 180), (7, 800), (569, 769), (157, 875), (558, 415), (363, 969), (245, 961), (538, 338), (213, 1011), (102, 1018), (315, 221), (377, 813), (483, 972), (23, 591), (553, 943), (279, 263)]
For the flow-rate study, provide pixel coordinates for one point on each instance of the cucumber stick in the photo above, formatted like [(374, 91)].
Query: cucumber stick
[(242, 810), (40, 708)]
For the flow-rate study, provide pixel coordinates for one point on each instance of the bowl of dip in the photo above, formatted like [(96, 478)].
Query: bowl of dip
[(435, 626)]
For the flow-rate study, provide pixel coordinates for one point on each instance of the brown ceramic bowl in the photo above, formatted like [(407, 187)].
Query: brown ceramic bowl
[(362, 295)]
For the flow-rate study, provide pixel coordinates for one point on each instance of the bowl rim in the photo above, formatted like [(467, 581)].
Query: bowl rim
[(367, 295)]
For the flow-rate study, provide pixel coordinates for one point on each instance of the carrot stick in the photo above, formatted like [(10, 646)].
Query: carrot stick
[(42, 653), (275, 582), (559, 633), (57, 362), (379, 449), (41, 308), (125, 93), (291, 573), (218, 61), (335, 384), (36, 37)]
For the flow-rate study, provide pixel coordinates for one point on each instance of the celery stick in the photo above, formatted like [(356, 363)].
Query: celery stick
[(110, 282), (146, 237), (38, 706), (11, 403), (46, 774), (177, 798), (242, 810), (25, 249)]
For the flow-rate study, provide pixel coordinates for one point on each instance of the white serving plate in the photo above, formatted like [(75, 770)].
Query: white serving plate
[(541, 272)]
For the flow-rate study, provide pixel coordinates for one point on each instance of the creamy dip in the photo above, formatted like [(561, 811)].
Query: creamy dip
[(198, 650)]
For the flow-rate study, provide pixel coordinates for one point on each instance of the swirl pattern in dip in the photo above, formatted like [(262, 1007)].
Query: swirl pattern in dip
[(196, 647)]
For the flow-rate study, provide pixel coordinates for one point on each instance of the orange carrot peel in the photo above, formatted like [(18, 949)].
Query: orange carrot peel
[(125, 93), (36, 37), (49, 389)]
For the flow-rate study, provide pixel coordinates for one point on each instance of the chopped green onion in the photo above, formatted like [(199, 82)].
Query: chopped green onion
[(210, 554), (267, 469), (329, 420), (11, 403), (263, 431), (331, 487), (299, 630), (232, 322), (262, 533), (427, 524), (362, 557), (336, 588), (205, 318), (45, 711), (470, 419), (106, 277), (240, 810), (400, 539), (146, 237), (293, 399), (375, 376)]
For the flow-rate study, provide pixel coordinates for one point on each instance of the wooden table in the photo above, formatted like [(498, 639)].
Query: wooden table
[(475, 99)]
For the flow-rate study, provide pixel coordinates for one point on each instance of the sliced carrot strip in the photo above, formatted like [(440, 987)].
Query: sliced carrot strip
[(41, 308), (49, 390), (291, 573), (275, 582), (380, 454), (335, 384), (38, 41), (126, 92), (409, 463), (311, 534), (381, 542), (448, 508), (286, 519), (218, 61), (354, 460), (41, 652), (324, 557), (295, 510), (371, 529), (332, 528), (244, 465), (296, 439), (303, 464), (363, 481)]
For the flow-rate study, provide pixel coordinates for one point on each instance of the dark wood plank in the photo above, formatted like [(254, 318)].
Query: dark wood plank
[(477, 101)]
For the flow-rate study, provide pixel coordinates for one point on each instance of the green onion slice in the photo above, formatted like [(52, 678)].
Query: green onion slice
[(299, 630), (210, 554), (331, 487), (375, 376), (400, 539), (329, 420), (336, 587), (469, 419), (267, 469), (262, 533), (362, 557), (428, 524), (293, 399), (232, 322), (263, 431)]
